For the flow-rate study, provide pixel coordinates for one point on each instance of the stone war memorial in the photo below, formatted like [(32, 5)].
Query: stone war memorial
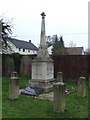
[(42, 66)]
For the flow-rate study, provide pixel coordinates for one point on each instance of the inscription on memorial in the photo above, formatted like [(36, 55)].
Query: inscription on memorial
[(38, 71)]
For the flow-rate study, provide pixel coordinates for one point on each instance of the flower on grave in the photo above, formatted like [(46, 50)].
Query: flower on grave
[(66, 92)]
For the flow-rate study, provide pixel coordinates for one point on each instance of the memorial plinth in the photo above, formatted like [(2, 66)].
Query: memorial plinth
[(42, 74), (42, 66)]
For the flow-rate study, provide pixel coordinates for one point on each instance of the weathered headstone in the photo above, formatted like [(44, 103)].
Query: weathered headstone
[(59, 77), (14, 86), (81, 86), (42, 66), (59, 97)]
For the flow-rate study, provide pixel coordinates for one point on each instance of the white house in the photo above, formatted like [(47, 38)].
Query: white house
[(22, 47), (50, 49)]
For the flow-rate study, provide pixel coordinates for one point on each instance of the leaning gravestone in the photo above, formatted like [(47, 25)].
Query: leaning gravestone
[(59, 77), (42, 66), (81, 86), (14, 86), (59, 97)]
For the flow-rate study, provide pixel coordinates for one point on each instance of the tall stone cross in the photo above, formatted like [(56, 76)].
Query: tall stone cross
[(43, 52)]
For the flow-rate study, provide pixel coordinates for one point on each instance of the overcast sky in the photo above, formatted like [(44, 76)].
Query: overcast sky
[(63, 17)]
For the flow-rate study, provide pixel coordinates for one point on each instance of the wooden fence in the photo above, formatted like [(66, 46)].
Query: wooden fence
[(25, 65), (72, 66)]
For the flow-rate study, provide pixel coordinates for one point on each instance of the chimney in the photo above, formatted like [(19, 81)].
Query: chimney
[(30, 41)]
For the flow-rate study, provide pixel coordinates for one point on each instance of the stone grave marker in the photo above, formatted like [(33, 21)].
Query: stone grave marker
[(14, 86), (59, 77), (81, 86), (59, 97)]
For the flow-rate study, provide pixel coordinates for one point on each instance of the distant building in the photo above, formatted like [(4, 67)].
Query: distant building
[(70, 50), (22, 47), (75, 50)]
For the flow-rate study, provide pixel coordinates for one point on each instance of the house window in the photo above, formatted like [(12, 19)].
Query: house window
[(23, 50), (19, 49), (29, 51), (33, 51)]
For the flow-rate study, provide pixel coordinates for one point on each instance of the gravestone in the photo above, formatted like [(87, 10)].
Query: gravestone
[(14, 86), (59, 77), (59, 97), (81, 86), (42, 66)]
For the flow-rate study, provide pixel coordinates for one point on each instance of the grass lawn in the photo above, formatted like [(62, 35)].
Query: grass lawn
[(27, 107)]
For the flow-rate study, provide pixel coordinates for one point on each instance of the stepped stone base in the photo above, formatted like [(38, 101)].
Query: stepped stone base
[(47, 85)]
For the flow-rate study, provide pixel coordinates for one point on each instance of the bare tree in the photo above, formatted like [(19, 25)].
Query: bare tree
[(72, 44)]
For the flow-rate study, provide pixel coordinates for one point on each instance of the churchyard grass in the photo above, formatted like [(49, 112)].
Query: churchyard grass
[(27, 107)]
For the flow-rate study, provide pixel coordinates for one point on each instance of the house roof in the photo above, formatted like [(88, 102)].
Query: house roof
[(23, 44), (74, 50)]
